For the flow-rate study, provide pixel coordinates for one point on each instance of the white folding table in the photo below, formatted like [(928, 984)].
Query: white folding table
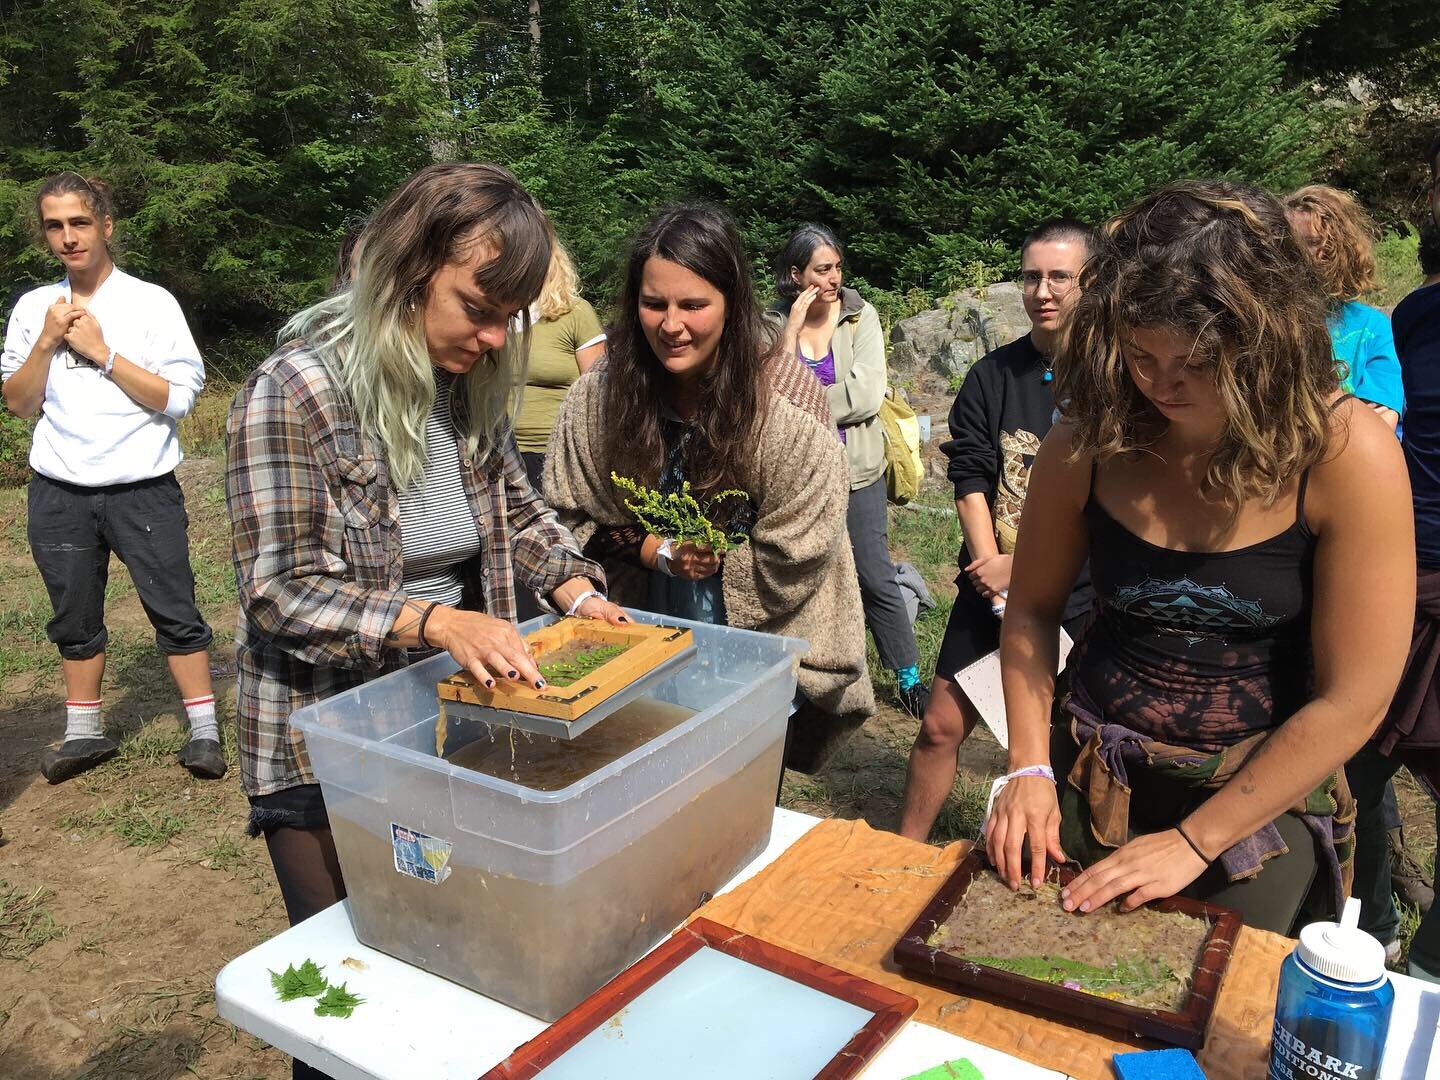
[(414, 1024)]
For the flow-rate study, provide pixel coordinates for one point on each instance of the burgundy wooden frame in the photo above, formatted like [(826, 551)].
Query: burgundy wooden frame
[(890, 1008), (1185, 1028)]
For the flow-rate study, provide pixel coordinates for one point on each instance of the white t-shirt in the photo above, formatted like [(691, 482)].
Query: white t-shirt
[(90, 431)]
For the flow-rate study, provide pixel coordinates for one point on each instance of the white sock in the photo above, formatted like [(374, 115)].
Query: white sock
[(201, 713), (82, 720)]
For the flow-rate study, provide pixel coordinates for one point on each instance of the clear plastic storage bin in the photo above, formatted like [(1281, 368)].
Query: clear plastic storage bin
[(537, 898)]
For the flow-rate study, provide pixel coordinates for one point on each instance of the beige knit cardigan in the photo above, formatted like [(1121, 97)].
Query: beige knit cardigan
[(796, 576)]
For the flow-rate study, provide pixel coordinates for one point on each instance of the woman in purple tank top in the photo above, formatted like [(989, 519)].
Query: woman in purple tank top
[(1251, 548)]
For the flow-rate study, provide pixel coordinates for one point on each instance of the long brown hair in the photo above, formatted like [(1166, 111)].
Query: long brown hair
[(1345, 260), (1217, 262), (705, 241)]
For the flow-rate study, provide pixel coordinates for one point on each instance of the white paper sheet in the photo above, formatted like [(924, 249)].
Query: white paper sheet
[(981, 684)]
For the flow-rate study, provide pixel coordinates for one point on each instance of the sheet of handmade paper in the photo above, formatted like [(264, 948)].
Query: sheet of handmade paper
[(714, 1017)]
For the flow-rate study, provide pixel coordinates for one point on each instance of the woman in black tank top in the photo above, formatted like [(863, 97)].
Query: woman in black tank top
[(1252, 554)]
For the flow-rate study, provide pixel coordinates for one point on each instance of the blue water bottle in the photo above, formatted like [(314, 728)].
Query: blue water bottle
[(1333, 1009)]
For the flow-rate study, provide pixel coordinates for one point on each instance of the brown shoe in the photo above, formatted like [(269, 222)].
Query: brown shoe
[(1406, 876)]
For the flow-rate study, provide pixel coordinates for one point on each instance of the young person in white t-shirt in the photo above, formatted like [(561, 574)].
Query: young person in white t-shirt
[(109, 364)]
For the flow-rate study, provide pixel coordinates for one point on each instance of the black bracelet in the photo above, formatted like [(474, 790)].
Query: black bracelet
[(420, 630), (1180, 828)]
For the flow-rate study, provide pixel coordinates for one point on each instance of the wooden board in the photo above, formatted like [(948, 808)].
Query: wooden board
[(888, 1009), (649, 646), (1185, 1028)]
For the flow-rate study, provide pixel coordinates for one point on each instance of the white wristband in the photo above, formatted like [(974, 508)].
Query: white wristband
[(663, 554), (110, 362), (586, 595), (1029, 770)]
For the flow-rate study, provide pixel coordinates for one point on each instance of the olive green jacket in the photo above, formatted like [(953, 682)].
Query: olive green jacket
[(859, 388)]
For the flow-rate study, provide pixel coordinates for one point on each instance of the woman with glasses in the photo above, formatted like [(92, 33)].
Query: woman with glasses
[(1252, 549), (837, 335), (1002, 413), (1339, 236)]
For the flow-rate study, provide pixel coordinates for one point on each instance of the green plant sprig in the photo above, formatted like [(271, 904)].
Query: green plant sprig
[(565, 673), (337, 1001), (679, 516), (308, 981), (1127, 975)]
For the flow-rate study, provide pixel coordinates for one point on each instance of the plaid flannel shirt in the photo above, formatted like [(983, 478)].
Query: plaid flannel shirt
[(318, 559)]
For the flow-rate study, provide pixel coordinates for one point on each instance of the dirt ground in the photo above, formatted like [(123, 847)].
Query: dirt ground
[(126, 890), (123, 892)]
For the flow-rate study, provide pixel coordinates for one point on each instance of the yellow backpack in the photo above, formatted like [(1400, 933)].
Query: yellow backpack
[(903, 465)]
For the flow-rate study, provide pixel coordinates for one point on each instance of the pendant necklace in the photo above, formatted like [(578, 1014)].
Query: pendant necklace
[(1048, 376)]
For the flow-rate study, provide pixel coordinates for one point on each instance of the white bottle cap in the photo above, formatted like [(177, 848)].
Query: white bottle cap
[(1342, 951)]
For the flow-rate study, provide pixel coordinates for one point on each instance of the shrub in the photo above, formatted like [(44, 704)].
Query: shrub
[(14, 449)]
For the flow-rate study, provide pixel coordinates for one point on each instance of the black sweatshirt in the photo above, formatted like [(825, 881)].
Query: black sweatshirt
[(1001, 415)]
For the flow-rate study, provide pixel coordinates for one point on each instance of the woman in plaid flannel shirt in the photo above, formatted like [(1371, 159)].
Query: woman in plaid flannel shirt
[(333, 440)]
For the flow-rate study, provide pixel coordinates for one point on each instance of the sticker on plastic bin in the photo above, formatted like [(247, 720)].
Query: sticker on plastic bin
[(420, 856)]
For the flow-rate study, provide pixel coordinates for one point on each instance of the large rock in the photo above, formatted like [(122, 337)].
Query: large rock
[(964, 328)]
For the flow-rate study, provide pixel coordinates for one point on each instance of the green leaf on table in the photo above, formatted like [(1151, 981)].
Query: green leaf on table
[(307, 982), (337, 1002)]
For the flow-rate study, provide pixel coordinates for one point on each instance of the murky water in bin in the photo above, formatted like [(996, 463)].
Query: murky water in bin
[(537, 897)]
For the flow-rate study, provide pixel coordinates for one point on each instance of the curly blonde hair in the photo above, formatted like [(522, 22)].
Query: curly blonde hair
[(561, 290), (1217, 262), (1345, 259)]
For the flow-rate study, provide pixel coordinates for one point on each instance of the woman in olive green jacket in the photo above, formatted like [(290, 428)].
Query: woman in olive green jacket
[(838, 336)]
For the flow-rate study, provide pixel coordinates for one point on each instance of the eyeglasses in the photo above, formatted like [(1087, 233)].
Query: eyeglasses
[(1061, 282)]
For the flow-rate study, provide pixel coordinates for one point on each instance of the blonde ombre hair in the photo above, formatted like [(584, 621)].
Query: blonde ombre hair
[(372, 334), (1216, 262), (561, 290)]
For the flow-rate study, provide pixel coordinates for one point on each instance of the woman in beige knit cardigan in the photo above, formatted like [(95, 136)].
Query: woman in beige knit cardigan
[(693, 388)]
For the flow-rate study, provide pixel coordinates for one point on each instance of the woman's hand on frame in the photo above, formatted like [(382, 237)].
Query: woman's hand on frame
[(1026, 816), (1150, 867), (488, 648), (596, 607)]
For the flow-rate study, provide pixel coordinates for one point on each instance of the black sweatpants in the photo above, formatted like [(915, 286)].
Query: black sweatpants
[(73, 530)]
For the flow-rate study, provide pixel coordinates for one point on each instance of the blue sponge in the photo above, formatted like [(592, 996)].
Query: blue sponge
[(1158, 1065)]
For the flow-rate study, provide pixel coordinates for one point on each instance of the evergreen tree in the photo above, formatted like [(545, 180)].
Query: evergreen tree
[(929, 134)]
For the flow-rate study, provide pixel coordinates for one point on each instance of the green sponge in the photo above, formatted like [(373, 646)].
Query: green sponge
[(959, 1069)]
